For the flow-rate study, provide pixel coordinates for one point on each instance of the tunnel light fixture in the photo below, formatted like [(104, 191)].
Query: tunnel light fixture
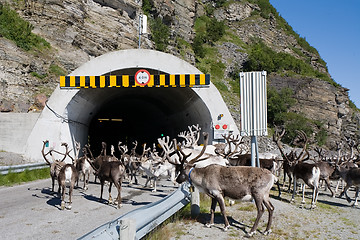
[(110, 119)]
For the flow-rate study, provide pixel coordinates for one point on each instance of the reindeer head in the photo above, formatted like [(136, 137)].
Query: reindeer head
[(181, 169)]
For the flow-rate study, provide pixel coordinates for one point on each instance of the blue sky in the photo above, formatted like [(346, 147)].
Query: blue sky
[(333, 28)]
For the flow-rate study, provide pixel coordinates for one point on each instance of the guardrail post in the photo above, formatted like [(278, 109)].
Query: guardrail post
[(195, 202), (127, 229)]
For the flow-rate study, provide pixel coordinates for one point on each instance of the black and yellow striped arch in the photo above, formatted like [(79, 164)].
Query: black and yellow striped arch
[(162, 80)]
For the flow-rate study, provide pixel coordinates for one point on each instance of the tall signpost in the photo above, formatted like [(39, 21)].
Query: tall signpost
[(253, 107), (142, 27)]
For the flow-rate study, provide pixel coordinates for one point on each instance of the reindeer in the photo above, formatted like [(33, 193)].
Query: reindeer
[(307, 173), (233, 182), (111, 171), (82, 166), (103, 157), (236, 158), (55, 165), (67, 176), (352, 178)]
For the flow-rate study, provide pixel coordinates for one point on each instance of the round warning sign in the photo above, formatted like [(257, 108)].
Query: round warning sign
[(142, 77)]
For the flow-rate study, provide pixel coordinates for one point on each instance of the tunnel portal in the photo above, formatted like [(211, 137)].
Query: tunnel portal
[(125, 114), (144, 114)]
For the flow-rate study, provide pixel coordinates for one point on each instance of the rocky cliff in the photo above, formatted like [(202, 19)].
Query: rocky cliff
[(80, 30)]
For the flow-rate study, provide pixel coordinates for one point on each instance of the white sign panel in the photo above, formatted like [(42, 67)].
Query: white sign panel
[(253, 104)]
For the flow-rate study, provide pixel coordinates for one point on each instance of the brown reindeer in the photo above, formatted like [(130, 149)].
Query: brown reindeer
[(233, 182), (55, 165), (111, 171)]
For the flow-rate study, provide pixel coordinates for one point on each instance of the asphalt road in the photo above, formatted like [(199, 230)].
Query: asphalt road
[(32, 211)]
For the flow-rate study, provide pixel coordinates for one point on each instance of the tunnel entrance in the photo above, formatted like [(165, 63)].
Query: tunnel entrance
[(139, 113), (144, 115)]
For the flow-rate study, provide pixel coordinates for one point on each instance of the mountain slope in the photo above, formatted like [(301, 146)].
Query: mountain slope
[(219, 37)]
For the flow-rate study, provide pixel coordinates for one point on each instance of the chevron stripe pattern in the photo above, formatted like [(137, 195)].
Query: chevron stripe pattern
[(162, 80)]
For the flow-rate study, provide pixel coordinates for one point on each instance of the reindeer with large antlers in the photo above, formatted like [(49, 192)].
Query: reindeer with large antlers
[(308, 173), (233, 182), (55, 165), (111, 171), (236, 157)]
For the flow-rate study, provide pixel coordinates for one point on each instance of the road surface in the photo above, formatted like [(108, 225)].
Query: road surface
[(32, 211)]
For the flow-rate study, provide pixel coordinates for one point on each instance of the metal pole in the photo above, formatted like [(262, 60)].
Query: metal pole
[(253, 143), (195, 202), (140, 16), (257, 152)]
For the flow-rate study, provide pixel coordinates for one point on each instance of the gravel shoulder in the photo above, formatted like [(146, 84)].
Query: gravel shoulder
[(334, 218)]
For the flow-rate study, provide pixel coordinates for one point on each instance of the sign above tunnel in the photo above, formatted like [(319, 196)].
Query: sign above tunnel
[(141, 79)]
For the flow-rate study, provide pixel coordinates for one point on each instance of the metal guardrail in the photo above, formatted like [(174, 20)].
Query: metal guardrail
[(20, 168), (145, 218)]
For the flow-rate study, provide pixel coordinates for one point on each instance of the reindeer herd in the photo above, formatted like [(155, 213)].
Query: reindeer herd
[(220, 170)]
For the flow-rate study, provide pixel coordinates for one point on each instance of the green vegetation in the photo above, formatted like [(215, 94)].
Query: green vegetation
[(279, 104), (262, 57), (208, 30), (38, 75), (57, 70), (14, 28), (267, 9), (147, 6), (28, 175), (160, 34)]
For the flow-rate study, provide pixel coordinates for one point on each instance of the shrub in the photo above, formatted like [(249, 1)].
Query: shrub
[(56, 70), (197, 46), (147, 5), (215, 30), (293, 122), (321, 136), (278, 104), (160, 34), (14, 28)]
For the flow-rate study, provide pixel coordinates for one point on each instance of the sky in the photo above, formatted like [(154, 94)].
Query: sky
[(333, 28)]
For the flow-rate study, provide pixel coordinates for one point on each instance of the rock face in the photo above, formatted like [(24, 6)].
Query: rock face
[(79, 30)]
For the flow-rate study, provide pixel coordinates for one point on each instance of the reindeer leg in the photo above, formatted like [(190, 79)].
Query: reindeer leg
[(70, 194), (53, 184), (118, 198), (290, 181), (101, 190), (270, 209), (260, 211), (356, 197), (110, 198), (328, 186), (212, 212), (63, 196), (345, 192), (278, 185), (303, 194), (155, 181), (294, 190), (221, 201)]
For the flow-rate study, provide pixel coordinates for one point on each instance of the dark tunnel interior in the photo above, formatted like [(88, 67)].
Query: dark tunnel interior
[(141, 113)]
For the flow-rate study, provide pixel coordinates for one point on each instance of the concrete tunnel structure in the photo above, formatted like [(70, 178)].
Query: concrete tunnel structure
[(142, 114)]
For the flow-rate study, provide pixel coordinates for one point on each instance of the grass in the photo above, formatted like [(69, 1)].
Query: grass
[(14, 28), (13, 178)]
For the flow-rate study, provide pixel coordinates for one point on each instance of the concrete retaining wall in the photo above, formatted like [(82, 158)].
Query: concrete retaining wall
[(15, 129)]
